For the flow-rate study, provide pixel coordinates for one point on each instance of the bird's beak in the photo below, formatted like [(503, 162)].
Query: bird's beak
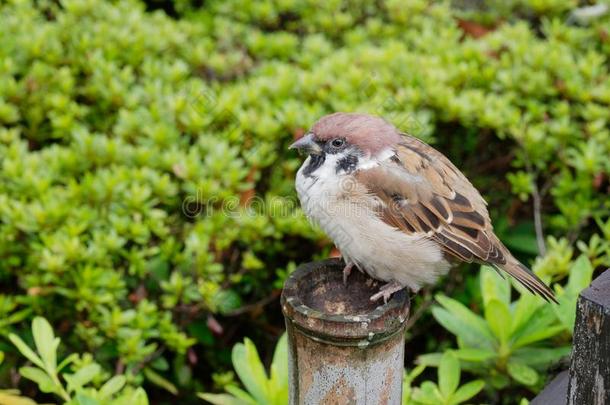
[(307, 144)]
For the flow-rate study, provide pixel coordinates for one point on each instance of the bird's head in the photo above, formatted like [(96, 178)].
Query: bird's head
[(348, 134)]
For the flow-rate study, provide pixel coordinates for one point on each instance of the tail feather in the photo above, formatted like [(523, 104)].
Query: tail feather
[(529, 280)]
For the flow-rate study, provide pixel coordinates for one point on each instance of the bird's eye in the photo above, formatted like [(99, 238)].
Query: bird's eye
[(337, 142)]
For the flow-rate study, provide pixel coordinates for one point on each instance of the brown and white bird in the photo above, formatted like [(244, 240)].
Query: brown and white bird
[(396, 207)]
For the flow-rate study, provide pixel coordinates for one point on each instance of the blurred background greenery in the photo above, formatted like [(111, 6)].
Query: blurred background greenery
[(147, 207)]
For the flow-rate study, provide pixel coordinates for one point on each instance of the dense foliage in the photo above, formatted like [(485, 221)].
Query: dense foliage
[(147, 207)]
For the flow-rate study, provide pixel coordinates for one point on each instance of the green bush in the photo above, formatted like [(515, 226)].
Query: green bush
[(75, 390), (513, 341), (146, 193)]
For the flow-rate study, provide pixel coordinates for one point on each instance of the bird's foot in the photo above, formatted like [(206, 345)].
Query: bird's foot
[(347, 270), (386, 291)]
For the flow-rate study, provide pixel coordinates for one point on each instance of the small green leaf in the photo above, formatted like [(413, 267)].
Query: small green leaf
[(25, 350), (241, 394), (82, 377), (82, 399), (68, 360), (499, 381), (412, 375), (498, 318), (467, 391), (494, 286), (540, 357), (45, 383), (464, 323), (112, 386), (428, 394), (250, 370), (7, 397), (529, 310), (524, 310), (221, 399), (538, 335), (522, 373), (475, 355), (580, 278), (429, 359), (45, 341), (522, 238), (160, 381), (448, 374), (581, 274), (139, 397), (278, 385)]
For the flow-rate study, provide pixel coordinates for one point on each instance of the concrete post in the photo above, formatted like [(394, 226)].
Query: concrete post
[(343, 348)]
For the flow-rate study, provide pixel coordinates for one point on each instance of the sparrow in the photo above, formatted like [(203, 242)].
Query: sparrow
[(395, 207)]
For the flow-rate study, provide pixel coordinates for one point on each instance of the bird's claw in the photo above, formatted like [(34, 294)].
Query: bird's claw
[(386, 291), (347, 270)]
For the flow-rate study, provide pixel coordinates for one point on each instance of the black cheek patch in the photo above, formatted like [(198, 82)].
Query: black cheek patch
[(347, 164), (315, 162)]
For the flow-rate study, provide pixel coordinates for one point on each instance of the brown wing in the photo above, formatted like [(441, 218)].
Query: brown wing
[(423, 192)]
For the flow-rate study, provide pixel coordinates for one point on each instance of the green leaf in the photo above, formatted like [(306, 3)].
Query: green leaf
[(250, 370), (9, 398), (522, 373), (82, 399), (428, 394), (467, 391), (82, 377), (241, 394), (221, 399), (499, 381), (565, 312), (429, 359), (112, 386), (525, 308), (540, 357), (475, 355), (494, 286), (278, 384), (464, 323), (538, 335), (412, 375), (159, 380), (25, 350), (139, 397), (68, 360), (522, 238), (539, 326), (45, 341), (16, 317), (448, 374), (499, 319), (44, 381), (581, 274)]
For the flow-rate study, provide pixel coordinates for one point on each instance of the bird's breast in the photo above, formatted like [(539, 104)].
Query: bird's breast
[(350, 217)]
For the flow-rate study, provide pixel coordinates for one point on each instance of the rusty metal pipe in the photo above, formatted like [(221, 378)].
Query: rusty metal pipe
[(343, 348)]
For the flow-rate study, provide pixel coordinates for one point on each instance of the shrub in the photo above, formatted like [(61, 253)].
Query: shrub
[(72, 388), (512, 343), (146, 193)]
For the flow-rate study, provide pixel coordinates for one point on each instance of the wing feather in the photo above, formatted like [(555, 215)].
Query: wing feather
[(423, 192)]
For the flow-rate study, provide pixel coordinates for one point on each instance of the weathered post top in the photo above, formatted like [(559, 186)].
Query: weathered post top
[(343, 348)]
